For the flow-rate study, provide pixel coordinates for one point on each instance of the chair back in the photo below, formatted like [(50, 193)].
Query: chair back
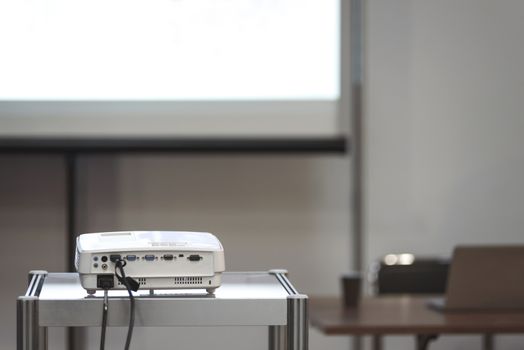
[(408, 274)]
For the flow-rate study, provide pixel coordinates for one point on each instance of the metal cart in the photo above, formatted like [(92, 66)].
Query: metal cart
[(244, 299)]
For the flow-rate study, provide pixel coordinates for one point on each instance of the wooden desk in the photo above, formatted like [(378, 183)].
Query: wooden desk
[(398, 315)]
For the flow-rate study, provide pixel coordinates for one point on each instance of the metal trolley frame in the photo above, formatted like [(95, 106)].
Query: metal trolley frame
[(244, 299)]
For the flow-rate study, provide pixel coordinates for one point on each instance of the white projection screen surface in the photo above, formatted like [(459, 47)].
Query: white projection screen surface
[(169, 68)]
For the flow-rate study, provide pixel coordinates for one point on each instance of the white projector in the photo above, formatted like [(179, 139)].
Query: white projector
[(154, 259)]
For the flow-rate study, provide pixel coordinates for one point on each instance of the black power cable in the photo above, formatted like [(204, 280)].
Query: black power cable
[(127, 282), (130, 285), (104, 321)]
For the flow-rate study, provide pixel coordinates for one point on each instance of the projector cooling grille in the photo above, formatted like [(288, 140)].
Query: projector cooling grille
[(178, 280), (188, 280)]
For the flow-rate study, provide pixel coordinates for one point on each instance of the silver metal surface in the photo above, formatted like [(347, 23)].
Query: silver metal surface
[(284, 281), (30, 336), (35, 281), (297, 322), (277, 337), (243, 299)]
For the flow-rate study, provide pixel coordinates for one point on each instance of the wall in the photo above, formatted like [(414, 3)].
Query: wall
[(269, 211), (32, 229), (445, 129)]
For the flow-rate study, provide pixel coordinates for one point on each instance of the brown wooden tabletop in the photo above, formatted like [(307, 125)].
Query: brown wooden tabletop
[(406, 315)]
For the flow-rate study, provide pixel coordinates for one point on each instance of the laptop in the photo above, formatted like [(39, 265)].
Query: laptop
[(484, 278)]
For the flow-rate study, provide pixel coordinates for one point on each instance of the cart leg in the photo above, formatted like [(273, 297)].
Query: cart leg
[(297, 322), (29, 335), (377, 342), (277, 337), (487, 341), (423, 340), (42, 345)]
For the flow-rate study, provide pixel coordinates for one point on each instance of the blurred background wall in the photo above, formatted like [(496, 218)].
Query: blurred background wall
[(444, 130)]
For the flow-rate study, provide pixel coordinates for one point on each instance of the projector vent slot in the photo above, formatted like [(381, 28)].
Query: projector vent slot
[(188, 280)]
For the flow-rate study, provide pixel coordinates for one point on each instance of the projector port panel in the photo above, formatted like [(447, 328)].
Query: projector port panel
[(151, 264), (89, 281)]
